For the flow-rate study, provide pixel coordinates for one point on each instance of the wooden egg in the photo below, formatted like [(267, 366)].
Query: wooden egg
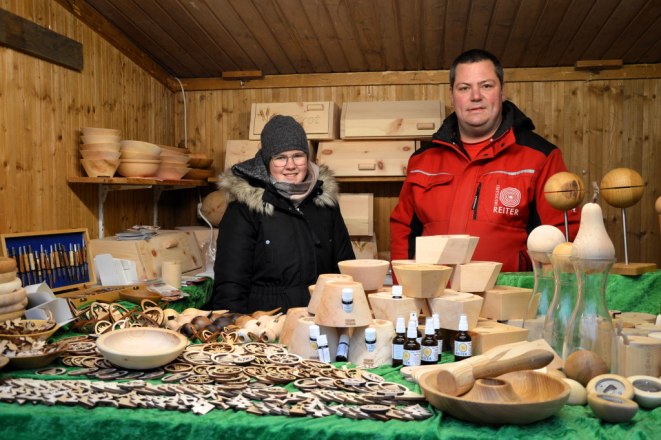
[(622, 187), (564, 190), (583, 365)]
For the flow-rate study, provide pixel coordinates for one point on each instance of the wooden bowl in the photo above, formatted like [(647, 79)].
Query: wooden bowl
[(139, 155), (96, 131), (138, 168), (100, 139), (531, 397), (100, 167), (41, 335), (34, 361), (141, 348), (144, 147), (370, 273), (137, 296), (175, 172), (199, 174), (199, 160), (100, 154), (106, 146)]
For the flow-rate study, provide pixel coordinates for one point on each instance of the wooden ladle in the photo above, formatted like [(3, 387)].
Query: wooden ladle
[(460, 380)]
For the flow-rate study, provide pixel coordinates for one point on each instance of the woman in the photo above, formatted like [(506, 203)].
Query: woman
[(282, 227)]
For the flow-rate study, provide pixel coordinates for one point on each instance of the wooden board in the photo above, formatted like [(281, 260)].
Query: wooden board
[(390, 120), (319, 119), (366, 158), (632, 269), (358, 212)]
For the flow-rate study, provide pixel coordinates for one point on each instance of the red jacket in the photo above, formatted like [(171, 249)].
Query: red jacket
[(498, 196)]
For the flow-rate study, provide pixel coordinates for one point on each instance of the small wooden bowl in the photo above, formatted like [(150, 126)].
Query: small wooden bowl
[(141, 348), (369, 272), (34, 361), (41, 336), (531, 397)]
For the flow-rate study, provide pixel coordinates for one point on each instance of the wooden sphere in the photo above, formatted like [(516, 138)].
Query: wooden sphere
[(583, 365), (622, 187), (564, 190)]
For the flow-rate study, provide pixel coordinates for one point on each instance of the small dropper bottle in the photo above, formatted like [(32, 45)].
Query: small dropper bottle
[(429, 345), (370, 339), (347, 300), (396, 291), (411, 356), (463, 344), (398, 342), (324, 353), (342, 348), (439, 333)]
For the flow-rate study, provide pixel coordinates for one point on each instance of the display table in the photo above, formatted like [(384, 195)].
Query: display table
[(104, 423)]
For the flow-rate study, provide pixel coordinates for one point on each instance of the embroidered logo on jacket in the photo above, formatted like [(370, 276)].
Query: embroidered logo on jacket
[(506, 201)]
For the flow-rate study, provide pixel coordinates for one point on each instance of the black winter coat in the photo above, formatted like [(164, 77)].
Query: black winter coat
[(269, 251)]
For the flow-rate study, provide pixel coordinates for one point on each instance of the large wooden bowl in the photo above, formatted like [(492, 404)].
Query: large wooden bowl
[(516, 398), (141, 348), (369, 272)]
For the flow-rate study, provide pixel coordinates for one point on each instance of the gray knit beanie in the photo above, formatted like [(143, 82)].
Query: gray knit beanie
[(282, 133)]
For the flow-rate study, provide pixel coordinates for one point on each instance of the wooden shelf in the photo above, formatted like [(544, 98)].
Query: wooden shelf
[(107, 184), (139, 181), (371, 179)]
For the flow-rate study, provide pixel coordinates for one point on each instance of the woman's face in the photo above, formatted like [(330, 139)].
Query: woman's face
[(289, 166)]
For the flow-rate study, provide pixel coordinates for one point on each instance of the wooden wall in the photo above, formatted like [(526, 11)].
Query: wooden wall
[(43, 108), (598, 124)]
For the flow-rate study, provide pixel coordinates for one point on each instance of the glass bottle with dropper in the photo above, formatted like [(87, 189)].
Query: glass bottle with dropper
[(342, 354), (439, 333), (463, 344), (411, 356), (429, 345), (398, 342), (413, 317)]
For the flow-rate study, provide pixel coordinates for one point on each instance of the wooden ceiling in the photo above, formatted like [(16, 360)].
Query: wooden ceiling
[(204, 38)]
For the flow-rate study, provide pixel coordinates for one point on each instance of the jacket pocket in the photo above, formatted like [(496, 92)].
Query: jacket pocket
[(505, 198), (426, 181), (433, 196)]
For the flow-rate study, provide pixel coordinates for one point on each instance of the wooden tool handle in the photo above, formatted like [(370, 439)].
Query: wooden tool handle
[(528, 361)]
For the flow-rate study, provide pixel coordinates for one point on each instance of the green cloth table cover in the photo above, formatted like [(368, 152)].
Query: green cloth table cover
[(41, 422)]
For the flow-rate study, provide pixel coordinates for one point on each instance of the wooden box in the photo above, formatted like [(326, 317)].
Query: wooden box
[(59, 258), (358, 212), (366, 158), (390, 120), (149, 254), (241, 150), (488, 334), (320, 120), (504, 303)]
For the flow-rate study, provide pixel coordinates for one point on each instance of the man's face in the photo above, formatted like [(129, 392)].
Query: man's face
[(477, 97)]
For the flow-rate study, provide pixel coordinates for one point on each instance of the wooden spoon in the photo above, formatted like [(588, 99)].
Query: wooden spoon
[(461, 379)]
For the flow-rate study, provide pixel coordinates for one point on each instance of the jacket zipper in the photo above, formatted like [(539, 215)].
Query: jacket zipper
[(476, 199)]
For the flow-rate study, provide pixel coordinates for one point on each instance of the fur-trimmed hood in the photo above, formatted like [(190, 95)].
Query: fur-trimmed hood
[(249, 188)]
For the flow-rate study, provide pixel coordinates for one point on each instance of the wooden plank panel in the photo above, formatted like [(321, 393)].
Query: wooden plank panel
[(368, 32), (346, 35), (522, 29), (647, 46), (456, 17), (387, 14), (504, 15), (325, 34), (642, 22), (564, 34), (433, 17), (478, 26), (611, 29), (410, 17), (544, 30)]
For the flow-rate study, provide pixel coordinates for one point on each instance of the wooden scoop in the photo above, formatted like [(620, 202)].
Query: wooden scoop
[(461, 379)]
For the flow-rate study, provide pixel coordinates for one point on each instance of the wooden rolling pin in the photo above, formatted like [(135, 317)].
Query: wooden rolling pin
[(460, 380)]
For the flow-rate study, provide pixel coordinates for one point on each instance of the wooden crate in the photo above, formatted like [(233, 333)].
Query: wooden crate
[(390, 119), (60, 258), (320, 119), (366, 158), (149, 254), (358, 212)]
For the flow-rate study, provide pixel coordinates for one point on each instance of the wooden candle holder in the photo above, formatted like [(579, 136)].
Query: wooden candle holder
[(445, 249), (317, 290), (385, 307), (331, 311), (291, 319), (476, 276), (423, 280), (299, 342), (452, 304), (370, 273), (382, 354), (639, 355), (502, 303)]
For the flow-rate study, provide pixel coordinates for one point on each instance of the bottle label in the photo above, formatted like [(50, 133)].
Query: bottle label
[(463, 348), (440, 346), (347, 306), (430, 353), (397, 351), (371, 346), (313, 344), (411, 358)]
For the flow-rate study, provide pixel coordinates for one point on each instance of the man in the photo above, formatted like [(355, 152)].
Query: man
[(483, 173)]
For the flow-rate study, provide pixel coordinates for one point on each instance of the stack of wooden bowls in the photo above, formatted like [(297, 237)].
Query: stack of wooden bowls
[(100, 151), (12, 294), (174, 163), (200, 165), (139, 159)]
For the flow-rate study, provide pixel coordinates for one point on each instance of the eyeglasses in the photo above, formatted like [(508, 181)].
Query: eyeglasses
[(281, 160)]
